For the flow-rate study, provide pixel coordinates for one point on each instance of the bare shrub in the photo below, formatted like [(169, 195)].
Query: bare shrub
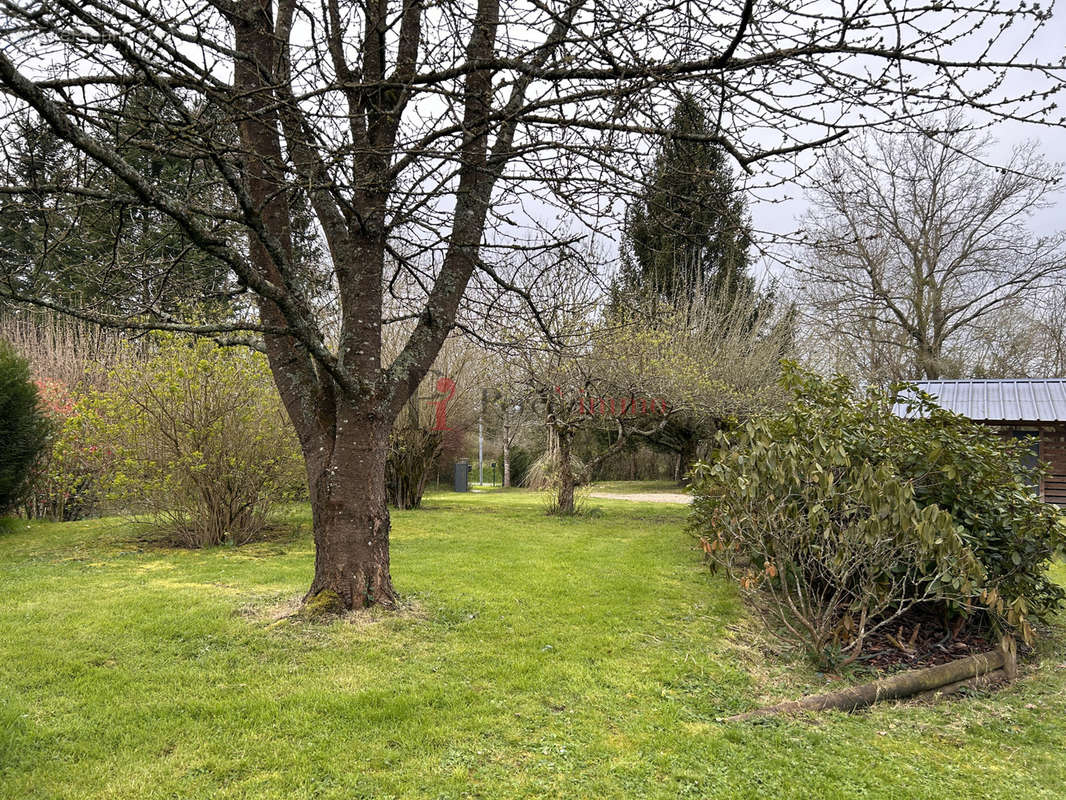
[(64, 351), (200, 443), (67, 359)]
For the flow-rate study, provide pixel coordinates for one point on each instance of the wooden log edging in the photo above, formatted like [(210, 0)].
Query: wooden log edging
[(987, 681), (904, 684)]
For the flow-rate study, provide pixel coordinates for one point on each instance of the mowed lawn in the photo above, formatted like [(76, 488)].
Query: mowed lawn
[(537, 657)]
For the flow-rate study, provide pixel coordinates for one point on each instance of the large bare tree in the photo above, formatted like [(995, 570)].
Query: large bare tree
[(417, 133), (918, 243)]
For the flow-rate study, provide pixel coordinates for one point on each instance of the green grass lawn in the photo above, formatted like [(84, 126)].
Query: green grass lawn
[(538, 657)]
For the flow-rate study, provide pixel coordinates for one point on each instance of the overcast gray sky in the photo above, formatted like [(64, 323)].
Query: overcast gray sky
[(1050, 45)]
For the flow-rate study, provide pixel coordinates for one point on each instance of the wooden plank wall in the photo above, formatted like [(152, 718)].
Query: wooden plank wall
[(1053, 452)]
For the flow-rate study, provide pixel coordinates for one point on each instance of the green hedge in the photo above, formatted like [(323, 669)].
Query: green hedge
[(24, 427)]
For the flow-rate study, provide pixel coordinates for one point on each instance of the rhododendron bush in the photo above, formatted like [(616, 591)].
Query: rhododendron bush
[(837, 516)]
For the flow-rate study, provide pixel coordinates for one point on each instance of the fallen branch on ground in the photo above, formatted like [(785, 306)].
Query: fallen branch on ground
[(989, 680), (947, 678)]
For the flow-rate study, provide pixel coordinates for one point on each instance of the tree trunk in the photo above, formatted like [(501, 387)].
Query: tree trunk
[(565, 498), (928, 362), (351, 519), (506, 455), (686, 458), (345, 444)]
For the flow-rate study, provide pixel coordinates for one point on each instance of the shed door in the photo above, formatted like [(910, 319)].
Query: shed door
[(1053, 451)]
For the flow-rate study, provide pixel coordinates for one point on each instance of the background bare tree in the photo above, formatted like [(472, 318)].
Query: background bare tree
[(1050, 317), (626, 377), (509, 405), (411, 137), (919, 251), (1025, 338)]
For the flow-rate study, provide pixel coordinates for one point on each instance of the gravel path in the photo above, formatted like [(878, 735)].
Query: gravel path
[(646, 497)]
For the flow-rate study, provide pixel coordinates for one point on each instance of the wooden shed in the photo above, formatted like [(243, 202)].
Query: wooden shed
[(1021, 407)]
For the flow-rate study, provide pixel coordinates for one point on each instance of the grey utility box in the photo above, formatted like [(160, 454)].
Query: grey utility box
[(462, 475)]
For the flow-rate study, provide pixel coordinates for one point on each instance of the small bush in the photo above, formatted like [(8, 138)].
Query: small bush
[(413, 451), (521, 463), (65, 483), (200, 442), (24, 427), (838, 516)]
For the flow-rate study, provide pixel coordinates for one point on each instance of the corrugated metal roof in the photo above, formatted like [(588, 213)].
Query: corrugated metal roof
[(1015, 400)]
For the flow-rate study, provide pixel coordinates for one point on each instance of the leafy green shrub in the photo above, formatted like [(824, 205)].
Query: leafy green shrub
[(199, 441), (24, 426), (65, 483), (837, 516)]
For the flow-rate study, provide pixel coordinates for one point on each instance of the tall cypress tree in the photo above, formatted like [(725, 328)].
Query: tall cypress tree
[(690, 233), (688, 242), (163, 269)]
